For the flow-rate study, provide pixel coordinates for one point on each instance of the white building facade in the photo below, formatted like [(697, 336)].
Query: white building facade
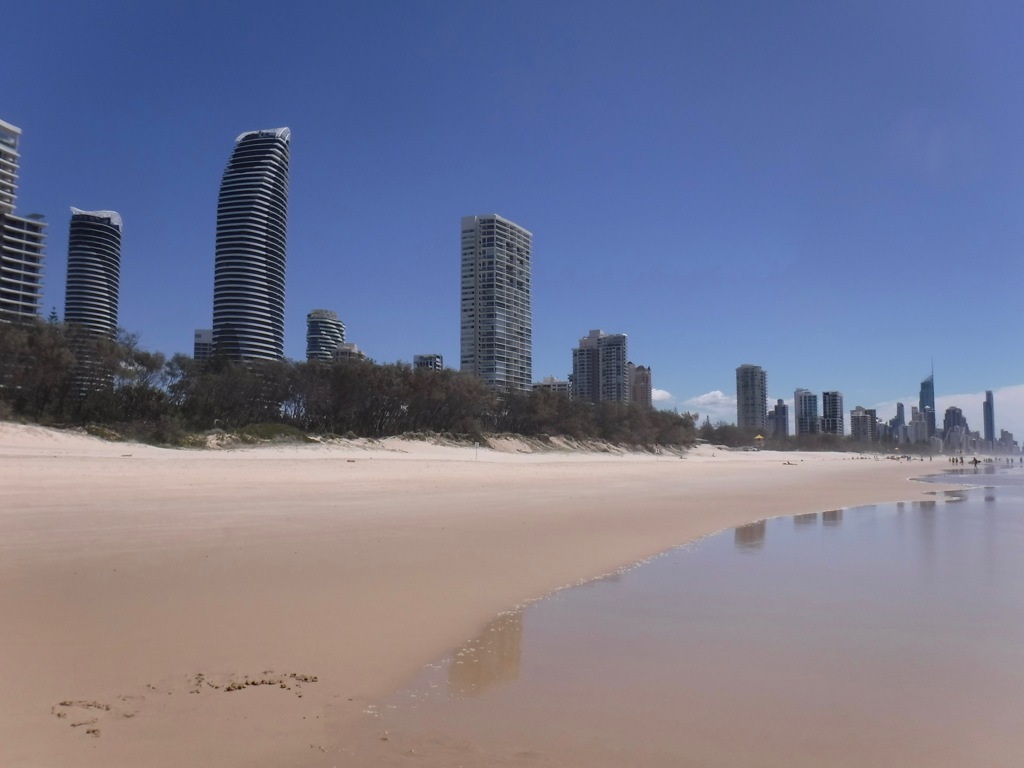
[(496, 321), (22, 239)]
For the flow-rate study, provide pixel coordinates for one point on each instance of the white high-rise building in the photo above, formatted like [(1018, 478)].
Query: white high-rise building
[(496, 325), (551, 384), (22, 240), (9, 137)]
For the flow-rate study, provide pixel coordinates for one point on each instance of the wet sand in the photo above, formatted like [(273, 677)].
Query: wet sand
[(882, 635), (246, 607)]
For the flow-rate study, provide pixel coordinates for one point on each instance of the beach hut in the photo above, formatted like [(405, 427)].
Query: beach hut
[(759, 441)]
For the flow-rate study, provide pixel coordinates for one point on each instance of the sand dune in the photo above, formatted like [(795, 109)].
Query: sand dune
[(246, 607)]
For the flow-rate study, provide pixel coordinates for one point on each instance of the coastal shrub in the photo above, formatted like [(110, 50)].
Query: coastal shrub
[(169, 430), (165, 401), (102, 432), (276, 432)]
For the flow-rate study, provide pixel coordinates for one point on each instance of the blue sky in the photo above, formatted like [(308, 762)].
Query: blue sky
[(831, 191)]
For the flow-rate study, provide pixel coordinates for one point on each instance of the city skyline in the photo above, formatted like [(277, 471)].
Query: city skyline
[(904, 163)]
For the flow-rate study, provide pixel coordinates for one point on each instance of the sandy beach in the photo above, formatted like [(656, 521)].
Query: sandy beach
[(244, 607)]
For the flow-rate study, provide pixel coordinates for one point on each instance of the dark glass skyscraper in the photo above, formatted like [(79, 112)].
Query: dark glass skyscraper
[(751, 397), (324, 332), (252, 223), (988, 409), (926, 402), (832, 415), (94, 270)]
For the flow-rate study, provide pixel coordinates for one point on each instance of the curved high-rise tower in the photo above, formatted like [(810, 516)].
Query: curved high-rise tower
[(252, 222), (324, 332), (94, 270)]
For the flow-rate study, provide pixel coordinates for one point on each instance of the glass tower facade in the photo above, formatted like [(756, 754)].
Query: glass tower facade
[(926, 403), (324, 332), (94, 270), (249, 272), (988, 410)]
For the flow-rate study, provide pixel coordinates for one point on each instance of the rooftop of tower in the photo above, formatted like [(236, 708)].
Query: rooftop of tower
[(277, 133), (114, 216)]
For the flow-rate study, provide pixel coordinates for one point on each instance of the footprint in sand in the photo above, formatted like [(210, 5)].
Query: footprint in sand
[(87, 713)]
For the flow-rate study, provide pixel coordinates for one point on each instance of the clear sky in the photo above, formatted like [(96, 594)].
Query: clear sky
[(833, 191)]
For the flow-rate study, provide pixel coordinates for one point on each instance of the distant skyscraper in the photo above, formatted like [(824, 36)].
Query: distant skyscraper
[(640, 390), (22, 240), (751, 397), (94, 270), (778, 419), (349, 351), (864, 424), (551, 384), (9, 137), (496, 326), (989, 413), (900, 419), (324, 332), (955, 432), (600, 368), (202, 347), (832, 421), (926, 402), (917, 430), (252, 222), (429, 362), (954, 417), (805, 403)]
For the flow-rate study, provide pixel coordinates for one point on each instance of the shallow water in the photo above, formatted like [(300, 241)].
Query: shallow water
[(883, 635)]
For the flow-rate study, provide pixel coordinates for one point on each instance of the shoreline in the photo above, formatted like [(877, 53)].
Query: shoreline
[(133, 570)]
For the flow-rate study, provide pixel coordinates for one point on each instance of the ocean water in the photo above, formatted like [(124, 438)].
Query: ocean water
[(882, 635)]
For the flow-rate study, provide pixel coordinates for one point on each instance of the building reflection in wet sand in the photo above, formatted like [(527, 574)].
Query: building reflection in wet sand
[(491, 658), (832, 517), (658, 669), (811, 518), (750, 536)]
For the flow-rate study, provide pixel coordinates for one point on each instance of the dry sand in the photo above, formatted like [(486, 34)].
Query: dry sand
[(244, 607)]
